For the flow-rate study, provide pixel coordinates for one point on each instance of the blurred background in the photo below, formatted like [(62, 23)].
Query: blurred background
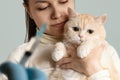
[(12, 22)]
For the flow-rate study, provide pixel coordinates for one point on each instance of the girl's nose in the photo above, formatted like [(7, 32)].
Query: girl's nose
[(55, 13)]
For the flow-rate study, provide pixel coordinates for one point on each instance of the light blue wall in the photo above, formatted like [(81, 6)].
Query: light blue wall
[(12, 22), (12, 26)]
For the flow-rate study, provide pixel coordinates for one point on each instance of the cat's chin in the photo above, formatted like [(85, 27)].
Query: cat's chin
[(76, 42), (79, 42)]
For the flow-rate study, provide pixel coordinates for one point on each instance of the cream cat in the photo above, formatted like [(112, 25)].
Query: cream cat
[(87, 32)]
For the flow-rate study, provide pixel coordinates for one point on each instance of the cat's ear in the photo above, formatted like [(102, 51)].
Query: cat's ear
[(101, 19), (71, 12)]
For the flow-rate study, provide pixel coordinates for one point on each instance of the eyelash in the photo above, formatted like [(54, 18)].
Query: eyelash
[(64, 2), (42, 8)]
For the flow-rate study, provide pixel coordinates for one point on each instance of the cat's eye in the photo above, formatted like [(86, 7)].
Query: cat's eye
[(75, 28), (90, 31)]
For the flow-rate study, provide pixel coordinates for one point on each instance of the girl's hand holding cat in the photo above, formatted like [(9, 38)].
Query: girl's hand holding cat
[(88, 65)]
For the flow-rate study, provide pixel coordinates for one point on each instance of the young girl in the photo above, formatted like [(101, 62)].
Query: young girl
[(55, 14)]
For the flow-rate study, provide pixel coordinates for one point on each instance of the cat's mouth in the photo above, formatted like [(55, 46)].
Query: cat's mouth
[(81, 41)]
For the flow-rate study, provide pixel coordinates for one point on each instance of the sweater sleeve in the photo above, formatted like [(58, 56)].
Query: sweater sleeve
[(3, 77), (101, 75), (15, 57), (17, 54)]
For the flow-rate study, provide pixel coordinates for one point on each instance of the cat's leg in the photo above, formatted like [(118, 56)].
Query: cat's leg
[(59, 51), (84, 49)]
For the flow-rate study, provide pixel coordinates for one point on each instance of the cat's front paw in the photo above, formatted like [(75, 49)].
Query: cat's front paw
[(59, 52), (83, 51), (57, 55)]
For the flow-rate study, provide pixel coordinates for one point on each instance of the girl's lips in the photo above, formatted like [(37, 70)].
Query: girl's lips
[(59, 24)]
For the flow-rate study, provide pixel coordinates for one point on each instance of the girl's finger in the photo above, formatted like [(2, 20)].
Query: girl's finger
[(64, 61), (66, 66)]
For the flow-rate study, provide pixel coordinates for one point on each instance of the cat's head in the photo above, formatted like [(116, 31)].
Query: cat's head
[(83, 27)]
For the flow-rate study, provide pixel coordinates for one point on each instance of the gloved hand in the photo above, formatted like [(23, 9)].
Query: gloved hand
[(18, 72)]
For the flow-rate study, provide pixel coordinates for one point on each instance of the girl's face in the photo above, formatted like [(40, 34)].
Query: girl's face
[(52, 12)]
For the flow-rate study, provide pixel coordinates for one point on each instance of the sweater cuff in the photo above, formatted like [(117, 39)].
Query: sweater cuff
[(3, 76), (101, 75)]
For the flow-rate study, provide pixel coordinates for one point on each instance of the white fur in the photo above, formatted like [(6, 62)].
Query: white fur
[(84, 49), (59, 51), (105, 61)]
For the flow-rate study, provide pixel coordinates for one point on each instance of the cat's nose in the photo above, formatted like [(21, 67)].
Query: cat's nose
[(81, 36)]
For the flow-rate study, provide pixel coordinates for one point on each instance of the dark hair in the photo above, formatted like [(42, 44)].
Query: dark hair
[(30, 25)]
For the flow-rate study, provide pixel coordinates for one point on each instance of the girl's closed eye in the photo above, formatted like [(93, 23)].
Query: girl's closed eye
[(42, 6), (63, 1)]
